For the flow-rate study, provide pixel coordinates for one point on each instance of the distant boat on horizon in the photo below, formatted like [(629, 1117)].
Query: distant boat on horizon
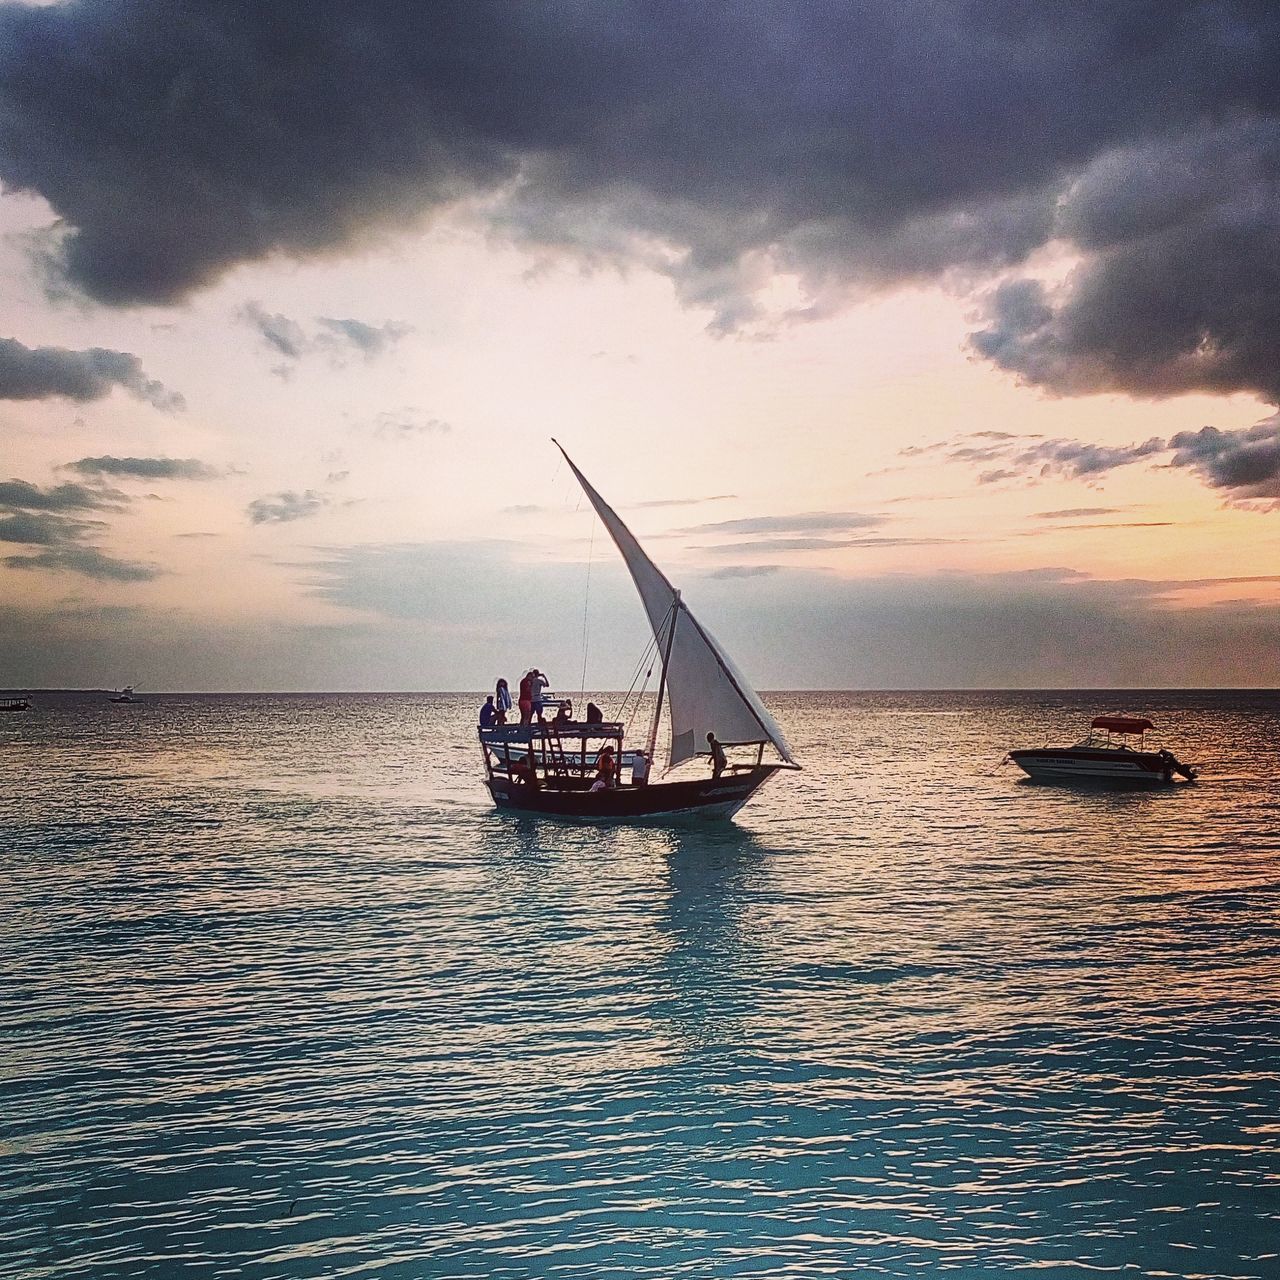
[(554, 768), (124, 695), (15, 704)]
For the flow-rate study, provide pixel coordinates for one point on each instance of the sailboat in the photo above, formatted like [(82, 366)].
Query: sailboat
[(554, 768)]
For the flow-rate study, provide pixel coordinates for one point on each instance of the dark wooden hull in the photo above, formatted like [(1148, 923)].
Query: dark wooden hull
[(701, 798)]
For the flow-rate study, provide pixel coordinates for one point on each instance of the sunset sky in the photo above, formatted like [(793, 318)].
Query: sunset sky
[(922, 344)]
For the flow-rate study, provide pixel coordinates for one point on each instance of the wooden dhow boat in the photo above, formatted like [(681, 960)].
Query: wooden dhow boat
[(551, 767)]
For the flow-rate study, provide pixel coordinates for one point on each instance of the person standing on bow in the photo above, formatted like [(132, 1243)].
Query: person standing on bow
[(526, 697), (719, 761), (501, 700)]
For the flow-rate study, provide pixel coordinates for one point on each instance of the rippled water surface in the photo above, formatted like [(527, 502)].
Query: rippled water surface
[(281, 996)]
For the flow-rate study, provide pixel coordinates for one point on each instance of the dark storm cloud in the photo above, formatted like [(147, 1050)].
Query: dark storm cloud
[(282, 508), (1246, 462), (144, 468), (858, 146), (43, 373)]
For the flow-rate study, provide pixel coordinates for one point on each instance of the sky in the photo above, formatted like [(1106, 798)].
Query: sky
[(922, 344)]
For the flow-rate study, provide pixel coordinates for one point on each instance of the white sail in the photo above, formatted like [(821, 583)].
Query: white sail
[(705, 691)]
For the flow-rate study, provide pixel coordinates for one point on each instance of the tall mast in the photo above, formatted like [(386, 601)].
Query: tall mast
[(662, 679)]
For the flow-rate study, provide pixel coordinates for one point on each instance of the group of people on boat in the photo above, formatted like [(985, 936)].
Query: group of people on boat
[(607, 777), (530, 702)]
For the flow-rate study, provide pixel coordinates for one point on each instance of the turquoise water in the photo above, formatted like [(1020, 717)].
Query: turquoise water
[(283, 997)]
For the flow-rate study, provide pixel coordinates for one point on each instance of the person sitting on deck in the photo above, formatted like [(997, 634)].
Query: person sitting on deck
[(488, 713), (524, 772), (564, 715), (594, 714), (719, 761)]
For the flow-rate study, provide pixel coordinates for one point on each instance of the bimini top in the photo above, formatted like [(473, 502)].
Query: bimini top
[(1122, 724)]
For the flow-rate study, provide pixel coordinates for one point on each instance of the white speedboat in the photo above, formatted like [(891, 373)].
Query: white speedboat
[(1113, 751)]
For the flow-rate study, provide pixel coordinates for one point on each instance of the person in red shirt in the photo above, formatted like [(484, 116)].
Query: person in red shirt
[(526, 698)]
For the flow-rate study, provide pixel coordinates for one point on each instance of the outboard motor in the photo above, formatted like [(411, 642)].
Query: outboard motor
[(1173, 765)]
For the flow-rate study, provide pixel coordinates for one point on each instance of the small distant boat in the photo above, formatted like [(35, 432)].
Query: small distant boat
[(1113, 751), (14, 704), (124, 695), (547, 768)]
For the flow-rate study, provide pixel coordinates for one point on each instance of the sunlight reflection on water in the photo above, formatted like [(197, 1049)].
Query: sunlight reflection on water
[(284, 997)]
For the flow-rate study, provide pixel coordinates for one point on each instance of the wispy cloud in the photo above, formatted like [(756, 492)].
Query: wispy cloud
[(336, 338), (1072, 513), (1244, 463), (684, 502), (775, 545), (287, 506), (803, 522), (408, 423), (90, 562), (52, 520), (144, 468)]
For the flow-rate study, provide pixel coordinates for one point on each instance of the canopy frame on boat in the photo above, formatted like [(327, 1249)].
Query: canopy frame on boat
[(1122, 724)]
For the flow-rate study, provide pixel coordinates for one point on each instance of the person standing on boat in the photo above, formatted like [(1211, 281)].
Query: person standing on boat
[(718, 759), (639, 769), (502, 699), (526, 698), (537, 686), (488, 713)]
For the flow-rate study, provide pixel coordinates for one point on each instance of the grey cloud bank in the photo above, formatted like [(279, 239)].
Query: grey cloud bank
[(144, 468), (43, 373), (1244, 463), (34, 517), (856, 146), (1038, 629)]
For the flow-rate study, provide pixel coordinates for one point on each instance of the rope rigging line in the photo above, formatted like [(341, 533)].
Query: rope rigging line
[(646, 659), (586, 614)]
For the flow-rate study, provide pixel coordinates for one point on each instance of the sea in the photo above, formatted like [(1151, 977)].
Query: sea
[(281, 995)]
